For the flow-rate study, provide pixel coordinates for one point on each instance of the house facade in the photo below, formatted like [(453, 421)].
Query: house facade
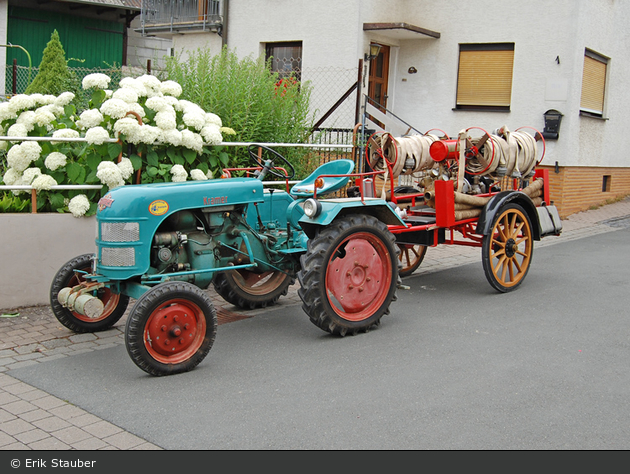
[(450, 65)]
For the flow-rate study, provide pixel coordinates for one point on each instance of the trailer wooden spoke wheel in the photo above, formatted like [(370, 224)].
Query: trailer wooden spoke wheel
[(411, 256), (507, 249)]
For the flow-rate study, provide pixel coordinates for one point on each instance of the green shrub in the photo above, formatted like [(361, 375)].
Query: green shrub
[(249, 98), (53, 77)]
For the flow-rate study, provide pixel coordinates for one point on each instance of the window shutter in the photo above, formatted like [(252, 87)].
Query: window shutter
[(485, 78), (593, 85)]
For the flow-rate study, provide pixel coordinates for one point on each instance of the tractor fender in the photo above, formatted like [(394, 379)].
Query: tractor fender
[(497, 202), (334, 208)]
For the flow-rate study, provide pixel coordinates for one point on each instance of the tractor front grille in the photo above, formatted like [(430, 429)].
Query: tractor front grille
[(118, 256), (120, 231)]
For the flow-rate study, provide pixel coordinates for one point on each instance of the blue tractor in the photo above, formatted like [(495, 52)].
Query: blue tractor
[(163, 244)]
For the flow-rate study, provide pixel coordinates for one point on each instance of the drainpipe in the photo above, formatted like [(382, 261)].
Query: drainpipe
[(224, 29)]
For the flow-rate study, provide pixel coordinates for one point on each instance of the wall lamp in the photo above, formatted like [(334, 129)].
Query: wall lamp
[(375, 48)]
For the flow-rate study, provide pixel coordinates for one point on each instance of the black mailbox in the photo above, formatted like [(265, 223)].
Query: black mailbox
[(552, 124)]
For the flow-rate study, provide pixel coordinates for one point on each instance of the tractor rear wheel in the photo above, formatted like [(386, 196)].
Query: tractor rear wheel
[(349, 275), (249, 290), (507, 250), (70, 275), (171, 328)]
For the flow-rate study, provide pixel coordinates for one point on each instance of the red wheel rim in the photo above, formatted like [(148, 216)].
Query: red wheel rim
[(175, 331), (109, 299), (357, 283)]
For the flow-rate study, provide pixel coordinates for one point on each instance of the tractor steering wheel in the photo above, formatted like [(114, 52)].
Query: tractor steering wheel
[(268, 166)]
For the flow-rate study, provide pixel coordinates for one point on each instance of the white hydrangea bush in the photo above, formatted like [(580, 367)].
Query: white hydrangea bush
[(140, 132)]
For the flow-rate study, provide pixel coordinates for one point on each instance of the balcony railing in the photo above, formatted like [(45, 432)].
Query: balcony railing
[(180, 16)]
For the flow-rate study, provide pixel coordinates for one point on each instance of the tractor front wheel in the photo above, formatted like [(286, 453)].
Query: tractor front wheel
[(72, 274), (171, 328), (349, 275)]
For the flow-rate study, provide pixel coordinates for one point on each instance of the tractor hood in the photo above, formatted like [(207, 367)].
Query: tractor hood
[(162, 199)]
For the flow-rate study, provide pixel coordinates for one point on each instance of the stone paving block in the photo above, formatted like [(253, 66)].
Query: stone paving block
[(17, 446), (33, 394), (31, 356), (89, 444), (49, 444), (16, 426), (147, 447), (67, 411), (34, 415), (48, 402), (71, 435), (124, 440), (19, 407), (86, 337), (31, 436), (6, 398), (51, 424), (5, 439), (84, 420), (54, 343), (102, 429), (6, 416), (19, 365)]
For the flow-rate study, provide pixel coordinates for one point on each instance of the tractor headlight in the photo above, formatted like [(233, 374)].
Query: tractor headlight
[(312, 207)]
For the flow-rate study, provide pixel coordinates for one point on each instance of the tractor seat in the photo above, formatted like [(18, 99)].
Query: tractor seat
[(306, 187)]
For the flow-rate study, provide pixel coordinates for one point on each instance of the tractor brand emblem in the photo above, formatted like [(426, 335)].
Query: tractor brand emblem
[(105, 201), (212, 201), (159, 207)]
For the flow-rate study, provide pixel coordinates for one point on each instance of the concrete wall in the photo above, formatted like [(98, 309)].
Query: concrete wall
[(35, 247)]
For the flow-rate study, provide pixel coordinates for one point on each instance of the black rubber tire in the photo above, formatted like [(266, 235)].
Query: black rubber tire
[(506, 252), (67, 276), (330, 246), (408, 265), (159, 307), (233, 288)]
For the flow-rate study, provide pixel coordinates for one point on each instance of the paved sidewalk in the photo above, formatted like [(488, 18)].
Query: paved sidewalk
[(31, 419)]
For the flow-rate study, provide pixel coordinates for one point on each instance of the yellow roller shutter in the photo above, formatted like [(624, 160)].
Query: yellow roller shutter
[(485, 78), (593, 85)]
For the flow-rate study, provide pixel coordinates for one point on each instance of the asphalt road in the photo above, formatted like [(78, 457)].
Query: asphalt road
[(455, 366)]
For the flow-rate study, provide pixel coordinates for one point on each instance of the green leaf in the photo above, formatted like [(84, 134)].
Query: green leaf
[(190, 155), (93, 161), (56, 200), (114, 150), (153, 158), (98, 96), (74, 171), (225, 159), (136, 161), (152, 171), (173, 153)]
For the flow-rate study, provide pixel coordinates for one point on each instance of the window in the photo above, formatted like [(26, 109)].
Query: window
[(484, 79), (286, 58), (593, 84)]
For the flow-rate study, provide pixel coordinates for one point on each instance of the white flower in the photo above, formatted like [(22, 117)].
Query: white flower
[(213, 119), (171, 88), (109, 174), (43, 117), (192, 140), (79, 205), (198, 175), (149, 134), (150, 82), (22, 102), (17, 159), (97, 80), (27, 118), (173, 137), (129, 127), (96, 136), (55, 160), (227, 131), (7, 112), (108, 93), (166, 120), (65, 133), (43, 182), (212, 134), (115, 108), (209, 174), (179, 173), (194, 119), (127, 94), (90, 118), (158, 104), (125, 167), (134, 84), (137, 108), (30, 174), (11, 176), (17, 130), (48, 99), (64, 99)]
